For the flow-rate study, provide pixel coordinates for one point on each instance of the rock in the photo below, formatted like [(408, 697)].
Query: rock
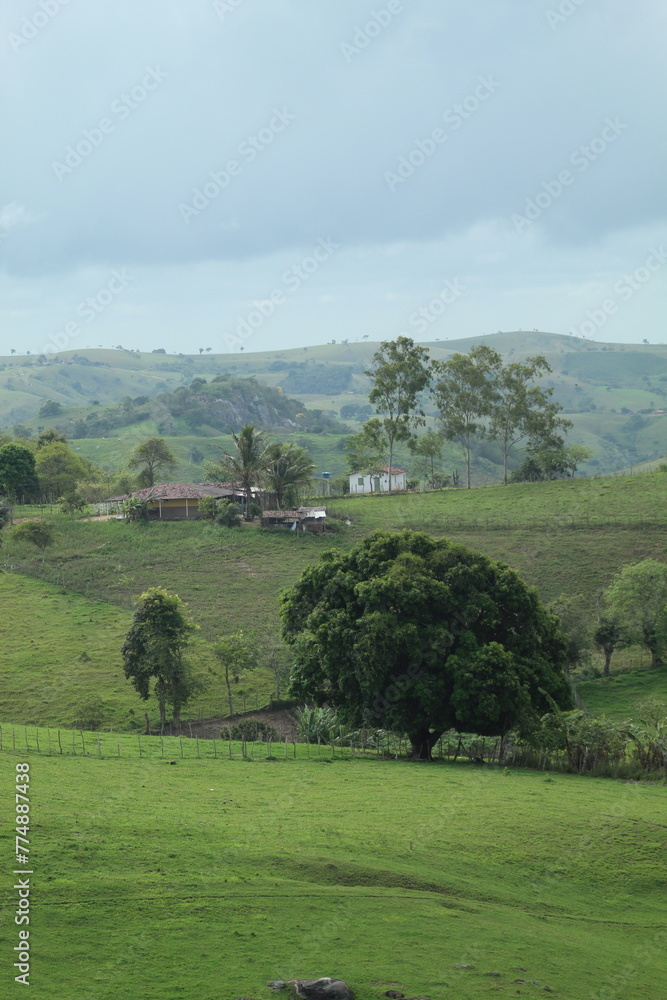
[(491, 973), (277, 985), (395, 994), (462, 965), (522, 981), (534, 982), (519, 969), (548, 989), (323, 989)]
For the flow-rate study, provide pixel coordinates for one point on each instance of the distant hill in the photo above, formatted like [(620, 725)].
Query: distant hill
[(609, 391)]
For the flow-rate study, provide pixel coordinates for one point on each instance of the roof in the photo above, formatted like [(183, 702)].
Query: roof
[(299, 514), (383, 468), (179, 491)]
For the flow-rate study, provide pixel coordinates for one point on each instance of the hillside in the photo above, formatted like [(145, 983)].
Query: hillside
[(562, 537), (609, 391), (214, 877)]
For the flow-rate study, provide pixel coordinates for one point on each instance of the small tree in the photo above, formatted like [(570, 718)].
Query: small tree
[(428, 449), (38, 533), (236, 655), (288, 467), (154, 456), (636, 599), (365, 450), (607, 637), (154, 649), (246, 464)]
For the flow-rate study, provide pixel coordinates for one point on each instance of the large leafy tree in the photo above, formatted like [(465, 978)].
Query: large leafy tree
[(420, 635), (636, 600), (246, 464), (464, 393), (401, 371), (18, 477), (288, 467), (153, 456), (154, 649), (60, 469)]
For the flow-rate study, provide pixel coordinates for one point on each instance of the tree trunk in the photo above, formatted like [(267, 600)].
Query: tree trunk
[(422, 743), (229, 691), (504, 467), (468, 458), (608, 651), (248, 501), (391, 459)]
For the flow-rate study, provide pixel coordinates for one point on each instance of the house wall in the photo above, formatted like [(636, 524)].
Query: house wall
[(368, 485), (173, 510)]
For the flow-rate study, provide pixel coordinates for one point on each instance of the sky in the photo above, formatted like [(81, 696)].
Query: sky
[(263, 174)]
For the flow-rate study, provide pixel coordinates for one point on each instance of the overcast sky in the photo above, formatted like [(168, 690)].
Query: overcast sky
[(275, 173)]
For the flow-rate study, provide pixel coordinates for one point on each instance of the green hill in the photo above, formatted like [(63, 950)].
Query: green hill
[(601, 387), (211, 877)]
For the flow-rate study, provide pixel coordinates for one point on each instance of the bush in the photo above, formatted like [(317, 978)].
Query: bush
[(208, 508), (251, 730), (315, 723), (228, 514)]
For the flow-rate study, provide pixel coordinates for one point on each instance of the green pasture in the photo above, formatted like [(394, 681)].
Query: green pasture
[(211, 878)]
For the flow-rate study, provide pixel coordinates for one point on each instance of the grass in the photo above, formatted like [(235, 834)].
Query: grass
[(617, 695), (61, 662), (211, 878), (232, 579)]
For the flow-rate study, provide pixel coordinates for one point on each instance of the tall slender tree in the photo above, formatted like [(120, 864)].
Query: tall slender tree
[(246, 464), (464, 394), (520, 408), (401, 372)]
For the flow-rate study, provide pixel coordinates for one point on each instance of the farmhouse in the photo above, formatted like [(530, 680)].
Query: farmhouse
[(301, 519), (175, 501), (377, 482)]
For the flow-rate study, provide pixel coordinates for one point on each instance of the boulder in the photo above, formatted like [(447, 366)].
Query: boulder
[(323, 989)]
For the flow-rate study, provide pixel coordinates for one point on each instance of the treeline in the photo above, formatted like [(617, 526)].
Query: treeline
[(476, 396)]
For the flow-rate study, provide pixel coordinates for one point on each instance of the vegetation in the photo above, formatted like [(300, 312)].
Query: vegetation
[(400, 372), (153, 456), (637, 601), (420, 636), (18, 477), (288, 471), (324, 844), (154, 649), (246, 464)]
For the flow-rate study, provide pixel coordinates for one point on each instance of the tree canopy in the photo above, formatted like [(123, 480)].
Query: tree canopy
[(401, 372), (17, 471), (154, 648), (420, 635), (636, 600), (154, 455)]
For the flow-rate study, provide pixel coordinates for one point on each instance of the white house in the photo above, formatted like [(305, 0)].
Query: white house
[(377, 482)]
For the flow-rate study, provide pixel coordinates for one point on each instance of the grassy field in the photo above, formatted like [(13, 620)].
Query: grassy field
[(232, 579), (212, 878), (617, 694)]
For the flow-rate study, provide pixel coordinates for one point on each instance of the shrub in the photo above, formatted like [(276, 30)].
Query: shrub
[(251, 729), (315, 723), (228, 514)]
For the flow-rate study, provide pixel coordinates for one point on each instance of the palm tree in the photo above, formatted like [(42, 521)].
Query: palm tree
[(247, 464), (287, 465)]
